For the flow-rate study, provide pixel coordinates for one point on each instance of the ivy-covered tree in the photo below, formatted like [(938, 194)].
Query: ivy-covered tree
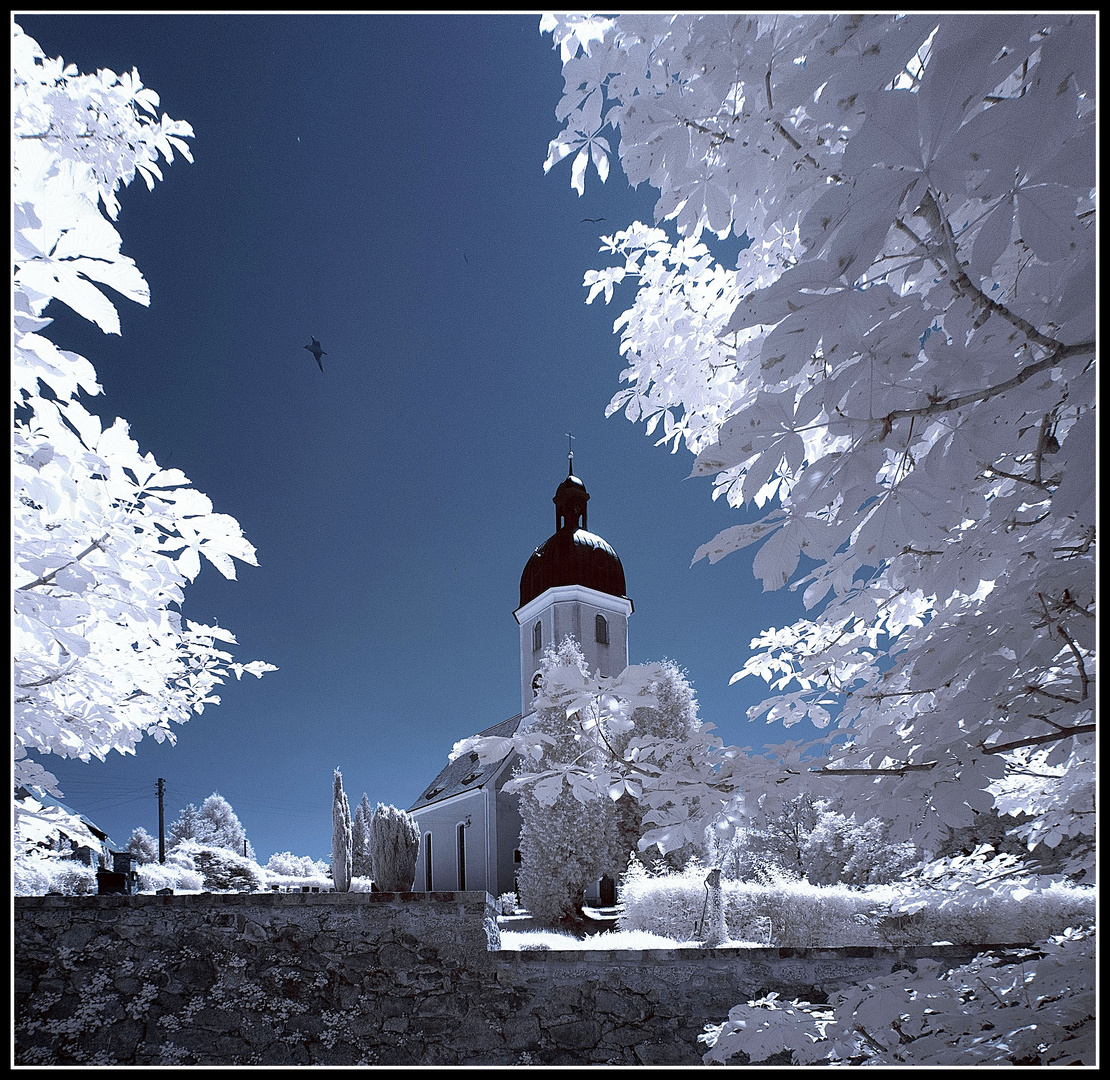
[(671, 721), (105, 539), (565, 843)]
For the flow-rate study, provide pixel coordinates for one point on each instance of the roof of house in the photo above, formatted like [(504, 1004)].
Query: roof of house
[(42, 816), (466, 773)]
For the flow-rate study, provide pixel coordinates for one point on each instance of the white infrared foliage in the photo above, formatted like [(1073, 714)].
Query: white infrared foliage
[(104, 538), (894, 373), (899, 371), (633, 736)]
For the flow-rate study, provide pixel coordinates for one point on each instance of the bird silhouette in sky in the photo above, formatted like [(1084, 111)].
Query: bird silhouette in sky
[(316, 351), (593, 220)]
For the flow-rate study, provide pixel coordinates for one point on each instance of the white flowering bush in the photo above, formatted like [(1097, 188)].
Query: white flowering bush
[(668, 905)]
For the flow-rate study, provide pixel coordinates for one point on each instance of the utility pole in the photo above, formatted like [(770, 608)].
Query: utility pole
[(161, 820)]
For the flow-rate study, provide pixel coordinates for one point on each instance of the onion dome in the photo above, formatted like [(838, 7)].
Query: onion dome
[(572, 556)]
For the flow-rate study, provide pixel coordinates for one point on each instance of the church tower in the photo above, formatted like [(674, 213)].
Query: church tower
[(573, 584)]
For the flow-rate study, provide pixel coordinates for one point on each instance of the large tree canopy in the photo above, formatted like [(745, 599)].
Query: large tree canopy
[(899, 371), (104, 538)]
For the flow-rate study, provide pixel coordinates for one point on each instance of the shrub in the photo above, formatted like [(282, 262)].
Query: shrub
[(969, 916), (286, 864), (795, 914), (222, 870), (169, 875), (669, 905), (37, 875), (394, 841)]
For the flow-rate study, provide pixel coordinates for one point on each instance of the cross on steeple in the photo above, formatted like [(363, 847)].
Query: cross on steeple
[(570, 453)]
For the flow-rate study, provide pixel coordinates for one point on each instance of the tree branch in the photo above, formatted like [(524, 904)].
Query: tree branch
[(47, 578), (1038, 483), (1037, 740), (1084, 679), (897, 771), (1060, 353), (45, 681), (1031, 689)]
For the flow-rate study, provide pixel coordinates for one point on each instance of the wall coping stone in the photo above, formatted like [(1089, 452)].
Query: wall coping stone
[(763, 953), (470, 898)]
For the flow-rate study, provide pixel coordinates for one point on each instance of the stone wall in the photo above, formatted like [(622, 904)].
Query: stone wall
[(372, 978)]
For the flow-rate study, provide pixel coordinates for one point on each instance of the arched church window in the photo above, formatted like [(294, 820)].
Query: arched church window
[(536, 683), (427, 862), (601, 630), (461, 835), (537, 637)]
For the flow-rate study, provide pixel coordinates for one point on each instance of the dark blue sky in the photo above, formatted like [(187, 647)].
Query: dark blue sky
[(377, 181)]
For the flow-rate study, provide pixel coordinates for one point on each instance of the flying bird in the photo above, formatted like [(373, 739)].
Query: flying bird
[(593, 220), (316, 351)]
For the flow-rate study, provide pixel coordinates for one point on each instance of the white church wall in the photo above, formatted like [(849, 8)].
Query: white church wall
[(571, 610), (441, 821)]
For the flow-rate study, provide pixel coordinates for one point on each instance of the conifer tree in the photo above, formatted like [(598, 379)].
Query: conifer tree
[(188, 826), (340, 837), (394, 841), (220, 826), (143, 846), (361, 863)]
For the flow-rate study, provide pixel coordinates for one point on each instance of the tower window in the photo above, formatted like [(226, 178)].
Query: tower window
[(537, 637), (601, 630), (536, 679)]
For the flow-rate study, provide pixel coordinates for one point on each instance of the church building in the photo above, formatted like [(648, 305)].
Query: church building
[(572, 584)]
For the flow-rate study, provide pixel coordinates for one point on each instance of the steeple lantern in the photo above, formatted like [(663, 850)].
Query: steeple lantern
[(570, 501)]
